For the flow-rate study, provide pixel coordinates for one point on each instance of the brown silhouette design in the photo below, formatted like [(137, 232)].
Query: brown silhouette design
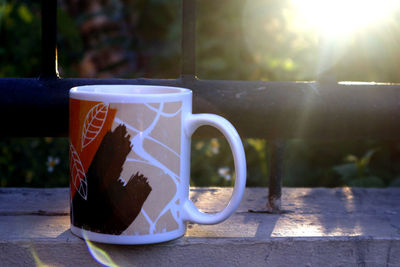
[(111, 206)]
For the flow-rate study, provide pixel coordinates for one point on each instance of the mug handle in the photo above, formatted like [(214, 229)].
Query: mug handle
[(190, 211)]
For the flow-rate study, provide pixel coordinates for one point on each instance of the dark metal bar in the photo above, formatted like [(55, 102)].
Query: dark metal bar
[(49, 39), (39, 107), (273, 110), (188, 39), (282, 110), (275, 176)]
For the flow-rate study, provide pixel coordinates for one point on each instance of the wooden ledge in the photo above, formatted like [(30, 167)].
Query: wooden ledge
[(321, 227)]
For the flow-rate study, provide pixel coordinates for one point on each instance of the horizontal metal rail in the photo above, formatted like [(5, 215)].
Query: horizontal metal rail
[(275, 110)]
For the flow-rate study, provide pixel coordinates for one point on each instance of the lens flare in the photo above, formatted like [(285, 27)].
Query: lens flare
[(99, 255), (38, 261), (343, 17)]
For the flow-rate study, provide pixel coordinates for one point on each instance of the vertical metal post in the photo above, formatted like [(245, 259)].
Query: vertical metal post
[(277, 148), (188, 39), (49, 39)]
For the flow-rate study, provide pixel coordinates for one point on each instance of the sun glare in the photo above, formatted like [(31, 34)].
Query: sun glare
[(343, 17)]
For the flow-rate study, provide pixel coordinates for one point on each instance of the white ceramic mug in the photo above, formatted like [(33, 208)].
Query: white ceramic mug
[(130, 163)]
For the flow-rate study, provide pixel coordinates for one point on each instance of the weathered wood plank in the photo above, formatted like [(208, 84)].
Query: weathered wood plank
[(18, 201), (298, 200), (340, 226)]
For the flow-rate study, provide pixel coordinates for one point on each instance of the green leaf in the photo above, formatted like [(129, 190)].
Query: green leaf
[(346, 170), (24, 13), (351, 158), (367, 157)]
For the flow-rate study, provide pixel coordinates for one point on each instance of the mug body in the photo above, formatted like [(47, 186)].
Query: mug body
[(129, 162)]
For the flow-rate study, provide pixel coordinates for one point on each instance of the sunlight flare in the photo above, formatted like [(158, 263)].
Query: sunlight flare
[(342, 17)]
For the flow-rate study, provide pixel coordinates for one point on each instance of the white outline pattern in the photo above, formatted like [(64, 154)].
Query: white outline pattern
[(91, 116), (146, 158), (147, 137), (76, 165)]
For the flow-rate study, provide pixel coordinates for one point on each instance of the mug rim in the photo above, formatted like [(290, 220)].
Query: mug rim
[(126, 92)]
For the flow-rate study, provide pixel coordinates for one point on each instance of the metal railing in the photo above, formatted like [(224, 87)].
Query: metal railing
[(273, 110)]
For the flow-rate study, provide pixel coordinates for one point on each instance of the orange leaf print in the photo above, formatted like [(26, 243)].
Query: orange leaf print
[(93, 123), (78, 177)]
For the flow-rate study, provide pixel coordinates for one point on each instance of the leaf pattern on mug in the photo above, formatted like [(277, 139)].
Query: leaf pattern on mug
[(78, 177), (93, 123)]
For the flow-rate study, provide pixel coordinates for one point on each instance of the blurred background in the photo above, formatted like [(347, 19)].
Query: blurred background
[(270, 40)]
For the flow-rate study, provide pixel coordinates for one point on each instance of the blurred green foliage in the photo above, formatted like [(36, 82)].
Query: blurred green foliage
[(19, 38), (239, 40), (356, 171), (36, 162)]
